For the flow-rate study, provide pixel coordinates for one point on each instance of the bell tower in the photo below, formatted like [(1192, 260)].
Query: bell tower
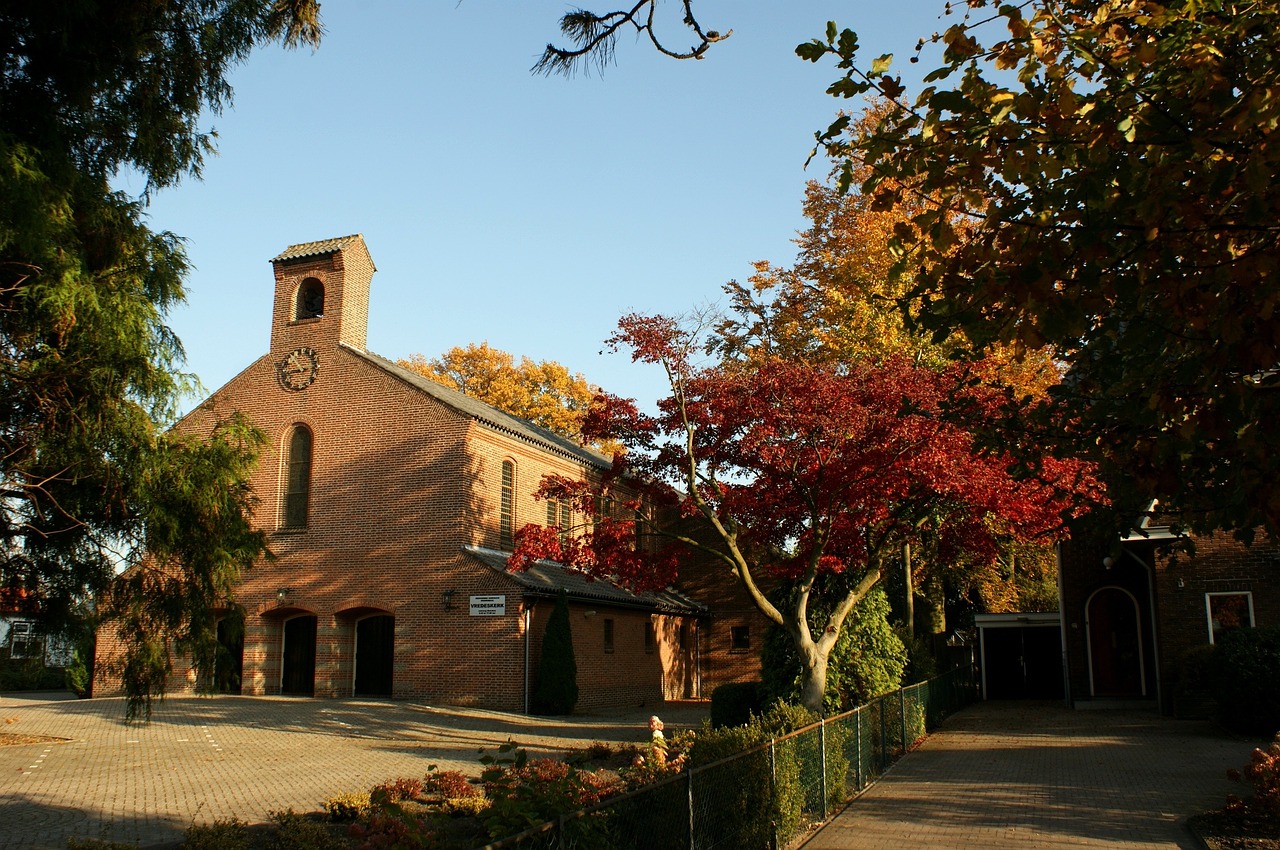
[(322, 295)]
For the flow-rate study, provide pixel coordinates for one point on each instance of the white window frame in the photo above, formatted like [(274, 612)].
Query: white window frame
[(27, 638), (1208, 608)]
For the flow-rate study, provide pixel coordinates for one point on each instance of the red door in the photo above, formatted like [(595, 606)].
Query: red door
[(1115, 644)]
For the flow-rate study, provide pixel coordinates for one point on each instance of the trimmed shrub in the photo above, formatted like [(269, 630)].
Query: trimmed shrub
[(1246, 680), (734, 704), (555, 689), (347, 807)]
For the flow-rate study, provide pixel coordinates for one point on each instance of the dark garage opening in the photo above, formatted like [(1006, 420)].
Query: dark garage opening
[(1021, 656)]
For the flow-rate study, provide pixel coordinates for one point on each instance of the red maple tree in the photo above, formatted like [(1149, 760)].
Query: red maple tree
[(790, 471)]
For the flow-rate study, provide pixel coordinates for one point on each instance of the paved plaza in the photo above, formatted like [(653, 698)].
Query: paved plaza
[(1037, 776), (202, 758), (997, 775)]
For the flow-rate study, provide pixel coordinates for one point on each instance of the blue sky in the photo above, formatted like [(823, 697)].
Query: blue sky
[(527, 211)]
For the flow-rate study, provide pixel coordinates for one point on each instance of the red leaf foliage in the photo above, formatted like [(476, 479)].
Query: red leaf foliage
[(811, 468)]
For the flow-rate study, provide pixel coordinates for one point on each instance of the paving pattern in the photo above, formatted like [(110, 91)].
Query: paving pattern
[(207, 758), (1037, 776)]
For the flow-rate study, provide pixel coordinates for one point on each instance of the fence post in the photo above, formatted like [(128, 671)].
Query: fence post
[(563, 841), (857, 730), (884, 735), (822, 762), (689, 795), (902, 717), (773, 790)]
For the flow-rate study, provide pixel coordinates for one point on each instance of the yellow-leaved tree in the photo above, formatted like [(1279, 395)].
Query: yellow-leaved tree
[(546, 393)]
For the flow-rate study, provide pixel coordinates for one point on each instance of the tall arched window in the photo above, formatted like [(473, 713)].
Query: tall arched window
[(310, 300), (297, 489), (506, 517)]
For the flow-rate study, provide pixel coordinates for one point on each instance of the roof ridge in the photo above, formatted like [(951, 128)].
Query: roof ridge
[(319, 246)]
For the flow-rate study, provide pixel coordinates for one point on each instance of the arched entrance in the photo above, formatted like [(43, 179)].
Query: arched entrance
[(374, 653), (298, 656), (1113, 625)]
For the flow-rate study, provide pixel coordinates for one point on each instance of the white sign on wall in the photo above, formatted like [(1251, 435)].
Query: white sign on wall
[(489, 606)]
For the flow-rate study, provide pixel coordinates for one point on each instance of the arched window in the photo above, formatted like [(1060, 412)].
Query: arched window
[(297, 489), (507, 514), (309, 303)]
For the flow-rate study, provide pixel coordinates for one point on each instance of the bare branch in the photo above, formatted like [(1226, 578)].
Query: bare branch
[(594, 37)]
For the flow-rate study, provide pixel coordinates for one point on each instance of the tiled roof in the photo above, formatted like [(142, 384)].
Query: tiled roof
[(469, 406), (546, 578), (311, 249)]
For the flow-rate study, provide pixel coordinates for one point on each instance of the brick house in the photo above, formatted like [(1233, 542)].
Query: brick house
[(1137, 612), (391, 502)]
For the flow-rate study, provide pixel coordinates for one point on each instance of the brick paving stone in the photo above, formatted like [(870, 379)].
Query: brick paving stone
[(207, 758), (1006, 775)]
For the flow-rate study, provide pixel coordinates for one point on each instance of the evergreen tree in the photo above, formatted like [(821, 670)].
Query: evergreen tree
[(555, 690)]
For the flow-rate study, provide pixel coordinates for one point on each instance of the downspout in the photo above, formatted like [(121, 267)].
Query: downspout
[(1062, 628), (528, 624)]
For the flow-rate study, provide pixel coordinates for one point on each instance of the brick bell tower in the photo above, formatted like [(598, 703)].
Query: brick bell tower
[(322, 296)]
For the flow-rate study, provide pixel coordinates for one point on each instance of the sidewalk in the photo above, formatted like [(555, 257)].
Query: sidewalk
[(1005, 775), (206, 758)]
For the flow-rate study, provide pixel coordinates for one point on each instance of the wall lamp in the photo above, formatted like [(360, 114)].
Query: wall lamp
[(447, 598), (282, 594)]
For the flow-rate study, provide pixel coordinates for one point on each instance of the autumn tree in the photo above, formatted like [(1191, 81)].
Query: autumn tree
[(88, 369), (794, 471), (1112, 164), (1105, 176), (546, 393)]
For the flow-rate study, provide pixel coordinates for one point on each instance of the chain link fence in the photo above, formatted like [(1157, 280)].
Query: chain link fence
[(764, 797)]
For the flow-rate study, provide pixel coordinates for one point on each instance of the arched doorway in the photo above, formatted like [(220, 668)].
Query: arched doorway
[(298, 656), (374, 654), (1113, 625)]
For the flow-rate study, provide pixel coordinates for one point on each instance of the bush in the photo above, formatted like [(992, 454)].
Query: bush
[(395, 791), (555, 689), (220, 835), (734, 704), (30, 674), (347, 807), (392, 829), (299, 832), (1246, 680), (526, 792), (449, 785), (1263, 773)]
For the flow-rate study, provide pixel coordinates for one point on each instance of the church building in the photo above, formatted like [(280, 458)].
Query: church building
[(391, 502)]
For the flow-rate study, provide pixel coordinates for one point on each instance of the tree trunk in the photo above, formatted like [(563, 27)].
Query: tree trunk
[(909, 619), (936, 607), (813, 683)]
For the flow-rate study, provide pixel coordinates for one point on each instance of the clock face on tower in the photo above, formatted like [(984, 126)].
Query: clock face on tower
[(298, 369)]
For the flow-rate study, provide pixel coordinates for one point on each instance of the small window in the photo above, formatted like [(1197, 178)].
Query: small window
[(297, 491), (739, 638), (506, 518), (310, 300), (608, 635), (21, 644), (1227, 612), (650, 638)]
